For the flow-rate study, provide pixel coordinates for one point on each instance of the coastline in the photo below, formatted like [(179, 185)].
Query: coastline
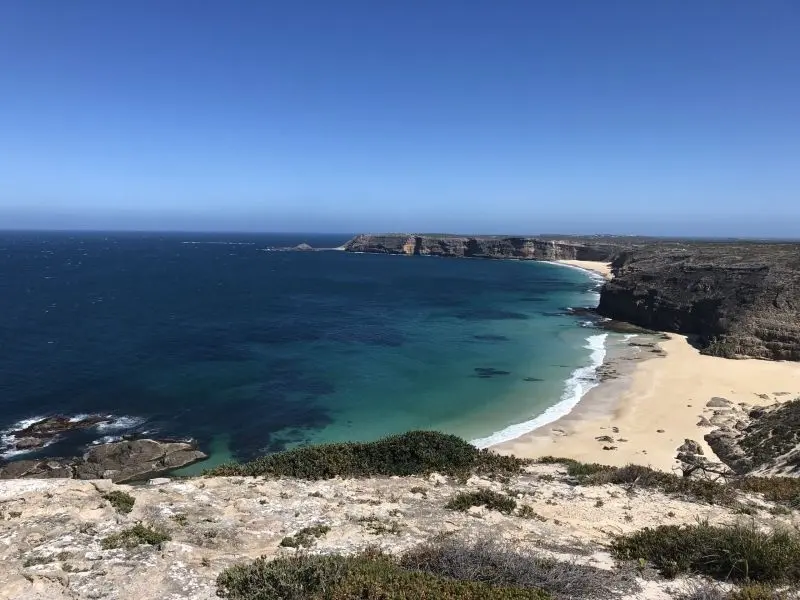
[(648, 396), (593, 266), (653, 403), (581, 380)]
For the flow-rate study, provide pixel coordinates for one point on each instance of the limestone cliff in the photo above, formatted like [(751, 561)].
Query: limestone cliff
[(737, 299), (483, 247)]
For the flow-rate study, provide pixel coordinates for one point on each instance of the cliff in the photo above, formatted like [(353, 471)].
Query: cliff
[(484, 247), (736, 299)]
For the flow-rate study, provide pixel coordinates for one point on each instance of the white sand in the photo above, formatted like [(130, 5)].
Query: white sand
[(667, 393), (602, 268)]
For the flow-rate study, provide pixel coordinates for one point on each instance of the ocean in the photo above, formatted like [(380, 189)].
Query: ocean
[(250, 350)]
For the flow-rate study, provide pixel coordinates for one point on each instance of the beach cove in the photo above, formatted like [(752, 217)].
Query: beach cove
[(655, 401)]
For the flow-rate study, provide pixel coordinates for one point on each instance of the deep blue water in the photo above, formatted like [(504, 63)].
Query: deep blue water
[(250, 351)]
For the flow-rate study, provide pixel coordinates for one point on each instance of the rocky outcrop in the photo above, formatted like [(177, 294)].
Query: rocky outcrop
[(763, 440), (736, 299), (40, 433), (124, 461), (525, 248)]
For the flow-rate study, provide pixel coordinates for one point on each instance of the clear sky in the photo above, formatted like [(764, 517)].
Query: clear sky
[(518, 116)]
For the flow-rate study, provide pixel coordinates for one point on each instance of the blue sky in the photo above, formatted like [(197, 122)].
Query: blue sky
[(518, 116)]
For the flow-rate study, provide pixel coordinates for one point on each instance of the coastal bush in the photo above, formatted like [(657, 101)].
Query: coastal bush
[(493, 562), (713, 591), (121, 501), (784, 490), (644, 477), (413, 453), (306, 537), (368, 576), (492, 500), (138, 535), (728, 552)]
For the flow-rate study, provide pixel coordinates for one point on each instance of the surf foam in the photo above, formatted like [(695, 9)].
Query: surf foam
[(578, 384)]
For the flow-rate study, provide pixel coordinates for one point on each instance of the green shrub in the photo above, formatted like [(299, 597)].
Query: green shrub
[(784, 490), (413, 453), (488, 498), (365, 576), (306, 537), (121, 501), (735, 552), (495, 562), (137, 535)]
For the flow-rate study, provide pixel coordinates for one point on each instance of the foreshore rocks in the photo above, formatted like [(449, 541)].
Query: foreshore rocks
[(122, 462), (733, 299), (483, 247)]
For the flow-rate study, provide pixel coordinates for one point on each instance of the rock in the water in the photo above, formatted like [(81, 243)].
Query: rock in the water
[(42, 432), (130, 460), (717, 402), (29, 443)]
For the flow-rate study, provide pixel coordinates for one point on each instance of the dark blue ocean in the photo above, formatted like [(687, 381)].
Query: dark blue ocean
[(251, 350)]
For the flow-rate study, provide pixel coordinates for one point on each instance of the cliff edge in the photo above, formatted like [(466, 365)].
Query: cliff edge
[(526, 248), (735, 299)]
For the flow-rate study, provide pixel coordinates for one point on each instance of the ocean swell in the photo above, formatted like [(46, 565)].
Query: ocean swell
[(578, 384)]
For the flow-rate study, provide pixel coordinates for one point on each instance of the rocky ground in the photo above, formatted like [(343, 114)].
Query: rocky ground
[(52, 532)]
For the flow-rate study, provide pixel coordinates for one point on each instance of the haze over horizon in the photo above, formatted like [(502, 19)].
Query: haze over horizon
[(481, 117)]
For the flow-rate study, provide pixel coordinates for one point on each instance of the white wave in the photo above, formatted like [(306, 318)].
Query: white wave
[(106, 439), (579, 383), (8, 440), (628, 337), (119, 423), (23, 424), (78, 418)]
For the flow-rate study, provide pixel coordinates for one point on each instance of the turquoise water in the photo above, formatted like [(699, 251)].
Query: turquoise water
[(251, 351)]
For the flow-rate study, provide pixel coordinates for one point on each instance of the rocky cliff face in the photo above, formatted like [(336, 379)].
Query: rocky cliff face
[(739, 300), (483, 247)]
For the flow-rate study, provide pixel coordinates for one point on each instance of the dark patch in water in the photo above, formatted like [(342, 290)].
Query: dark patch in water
[(491, 338), (488, 314), (532, 379), (489, 372)]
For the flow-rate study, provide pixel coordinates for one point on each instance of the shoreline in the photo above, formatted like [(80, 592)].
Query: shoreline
[(580, 381), (655, 400), (647, 398)]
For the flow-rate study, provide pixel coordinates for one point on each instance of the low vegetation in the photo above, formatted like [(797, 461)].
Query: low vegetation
[(365, 576), (729, 552), (138, 535), (711, 591), (121, 501), (782, 490), (492, 500), (493, 562), (414, 453), (773, 434), (306, 537)]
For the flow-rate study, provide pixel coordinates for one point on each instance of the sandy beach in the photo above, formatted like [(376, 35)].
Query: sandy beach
[(655, 404), (654, 401), (602, 268)]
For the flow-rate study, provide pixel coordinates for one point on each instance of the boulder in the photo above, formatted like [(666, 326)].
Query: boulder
[(125, 461)]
